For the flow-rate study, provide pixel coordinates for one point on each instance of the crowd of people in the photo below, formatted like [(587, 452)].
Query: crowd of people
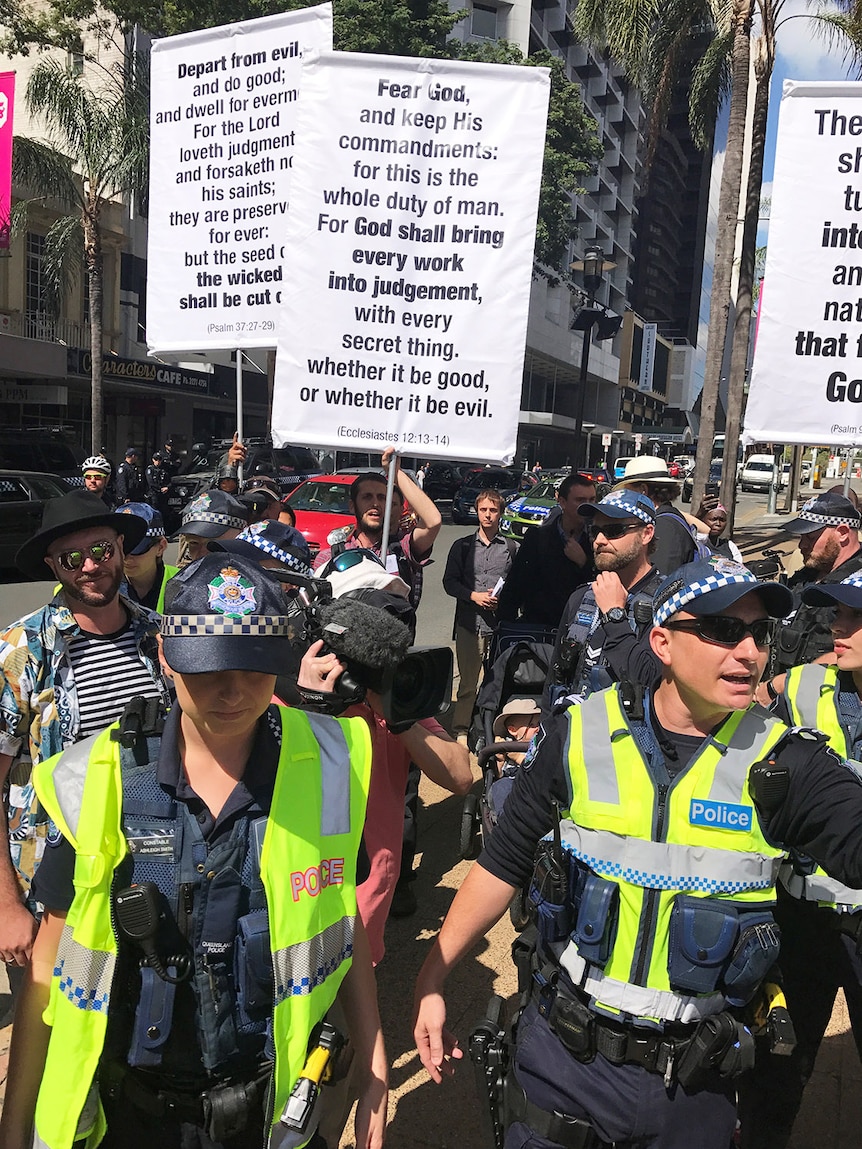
[(209, 823)]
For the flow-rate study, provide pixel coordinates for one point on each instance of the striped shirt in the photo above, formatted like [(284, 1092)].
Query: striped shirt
[(108, 673)]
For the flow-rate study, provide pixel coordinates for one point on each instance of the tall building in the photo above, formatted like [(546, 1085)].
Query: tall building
[(653, 232)]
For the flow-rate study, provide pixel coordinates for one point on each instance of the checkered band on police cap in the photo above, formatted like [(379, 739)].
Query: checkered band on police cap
[(209, 625), (204, 509), (634, 504), (271, 538), (815, 511), (709, 575)]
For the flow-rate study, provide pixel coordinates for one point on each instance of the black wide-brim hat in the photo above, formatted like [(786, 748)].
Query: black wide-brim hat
[(75, 511)]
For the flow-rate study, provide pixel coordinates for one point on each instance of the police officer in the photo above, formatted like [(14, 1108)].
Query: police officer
[(130, 489), (202, 859), (653, 912), (147, 574), (820, 919), (604, 631), (828, 528), (157, 480)]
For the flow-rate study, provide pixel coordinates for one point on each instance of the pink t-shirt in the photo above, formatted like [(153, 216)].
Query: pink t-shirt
[(384, 823)]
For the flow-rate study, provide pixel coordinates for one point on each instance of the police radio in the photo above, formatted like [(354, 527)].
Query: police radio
[(140, 918)]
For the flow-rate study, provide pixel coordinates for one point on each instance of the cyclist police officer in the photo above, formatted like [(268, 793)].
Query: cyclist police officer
[(678, 805)]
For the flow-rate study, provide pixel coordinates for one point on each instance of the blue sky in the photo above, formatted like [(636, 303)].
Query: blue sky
[(802, 55)]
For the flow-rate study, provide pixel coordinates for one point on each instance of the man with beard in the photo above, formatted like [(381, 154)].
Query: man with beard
[(97, 478), (604, 632), (410, 548), (65, 671), (828, 529)]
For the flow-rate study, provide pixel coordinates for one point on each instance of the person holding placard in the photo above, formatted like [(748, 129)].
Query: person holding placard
[(410, 549)]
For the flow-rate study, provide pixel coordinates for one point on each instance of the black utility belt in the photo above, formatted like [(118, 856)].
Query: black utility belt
[(719, 1044), (223, 1110), (585, 1033)]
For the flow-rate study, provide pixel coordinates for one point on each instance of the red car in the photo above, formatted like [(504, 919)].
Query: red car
[(322, 504)]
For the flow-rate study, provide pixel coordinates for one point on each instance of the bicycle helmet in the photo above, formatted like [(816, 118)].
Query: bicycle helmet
[(96, 463)]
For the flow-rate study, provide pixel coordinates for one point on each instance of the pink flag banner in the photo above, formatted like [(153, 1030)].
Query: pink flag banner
[(7, 101)]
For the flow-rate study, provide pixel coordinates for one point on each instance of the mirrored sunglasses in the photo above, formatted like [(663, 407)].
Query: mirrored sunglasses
[(74, 560), (352, 558)]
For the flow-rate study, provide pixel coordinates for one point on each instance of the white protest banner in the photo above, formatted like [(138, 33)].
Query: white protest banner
[(806, 384), (410, 241), (223, 140)]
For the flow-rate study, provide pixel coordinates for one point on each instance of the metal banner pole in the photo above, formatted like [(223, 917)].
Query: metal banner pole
[(239, 408), (387, 515), (848, 469)]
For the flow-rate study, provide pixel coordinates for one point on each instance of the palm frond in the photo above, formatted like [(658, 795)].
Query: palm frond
[(710, 87), (624, 27), (63, 261), (45, 171), (842, 30)]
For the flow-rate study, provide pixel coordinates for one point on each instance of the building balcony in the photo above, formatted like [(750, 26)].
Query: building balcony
[(45, 328)]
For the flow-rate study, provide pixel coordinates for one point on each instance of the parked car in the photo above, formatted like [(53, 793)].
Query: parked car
[(23, 495), (506, 481), (442, 480), (321, 504), (530, 509), (757, 473), (290, 465), (41, 453)]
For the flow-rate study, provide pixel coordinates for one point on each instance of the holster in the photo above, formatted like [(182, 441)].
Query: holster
[(720, 1043)]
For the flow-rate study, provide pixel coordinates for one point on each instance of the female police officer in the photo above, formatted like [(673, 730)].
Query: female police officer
[(654, 916), (200, 905)]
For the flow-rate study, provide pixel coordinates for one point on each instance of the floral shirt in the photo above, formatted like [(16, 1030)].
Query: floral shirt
[(39, 713)]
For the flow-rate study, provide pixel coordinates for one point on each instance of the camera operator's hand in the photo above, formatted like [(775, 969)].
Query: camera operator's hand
[(319, 671)]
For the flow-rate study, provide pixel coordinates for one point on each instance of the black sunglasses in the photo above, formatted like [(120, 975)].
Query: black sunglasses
[(74, 560), (613, 530), (724, 630)]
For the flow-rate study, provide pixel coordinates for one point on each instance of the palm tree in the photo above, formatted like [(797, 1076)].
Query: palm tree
[(97, 150), (648, 38)]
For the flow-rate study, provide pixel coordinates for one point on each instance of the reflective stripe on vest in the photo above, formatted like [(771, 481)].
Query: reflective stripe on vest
[(811, 693), (709, 844), (669, 865), (311, 925), (637, 1000), (169, 573)]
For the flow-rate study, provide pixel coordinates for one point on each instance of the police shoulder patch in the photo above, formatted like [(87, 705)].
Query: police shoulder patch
[(533, 748)]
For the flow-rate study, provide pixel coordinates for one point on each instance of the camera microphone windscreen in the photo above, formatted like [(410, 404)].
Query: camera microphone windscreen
[(371, 636)]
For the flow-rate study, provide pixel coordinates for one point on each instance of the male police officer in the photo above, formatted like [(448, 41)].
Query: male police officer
[(201, 905), (654, 910), (604, 631), (828, 528)]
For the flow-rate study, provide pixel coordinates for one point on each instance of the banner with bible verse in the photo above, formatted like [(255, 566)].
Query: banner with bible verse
[(409, 259)]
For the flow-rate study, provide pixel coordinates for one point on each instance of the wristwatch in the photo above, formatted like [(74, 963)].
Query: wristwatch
[(615, 614)]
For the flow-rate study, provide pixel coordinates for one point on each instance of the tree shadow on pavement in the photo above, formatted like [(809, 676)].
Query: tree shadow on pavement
[(426, 1115)]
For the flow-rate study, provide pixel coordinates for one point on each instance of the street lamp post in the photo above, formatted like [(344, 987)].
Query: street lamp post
[(587, 315)]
